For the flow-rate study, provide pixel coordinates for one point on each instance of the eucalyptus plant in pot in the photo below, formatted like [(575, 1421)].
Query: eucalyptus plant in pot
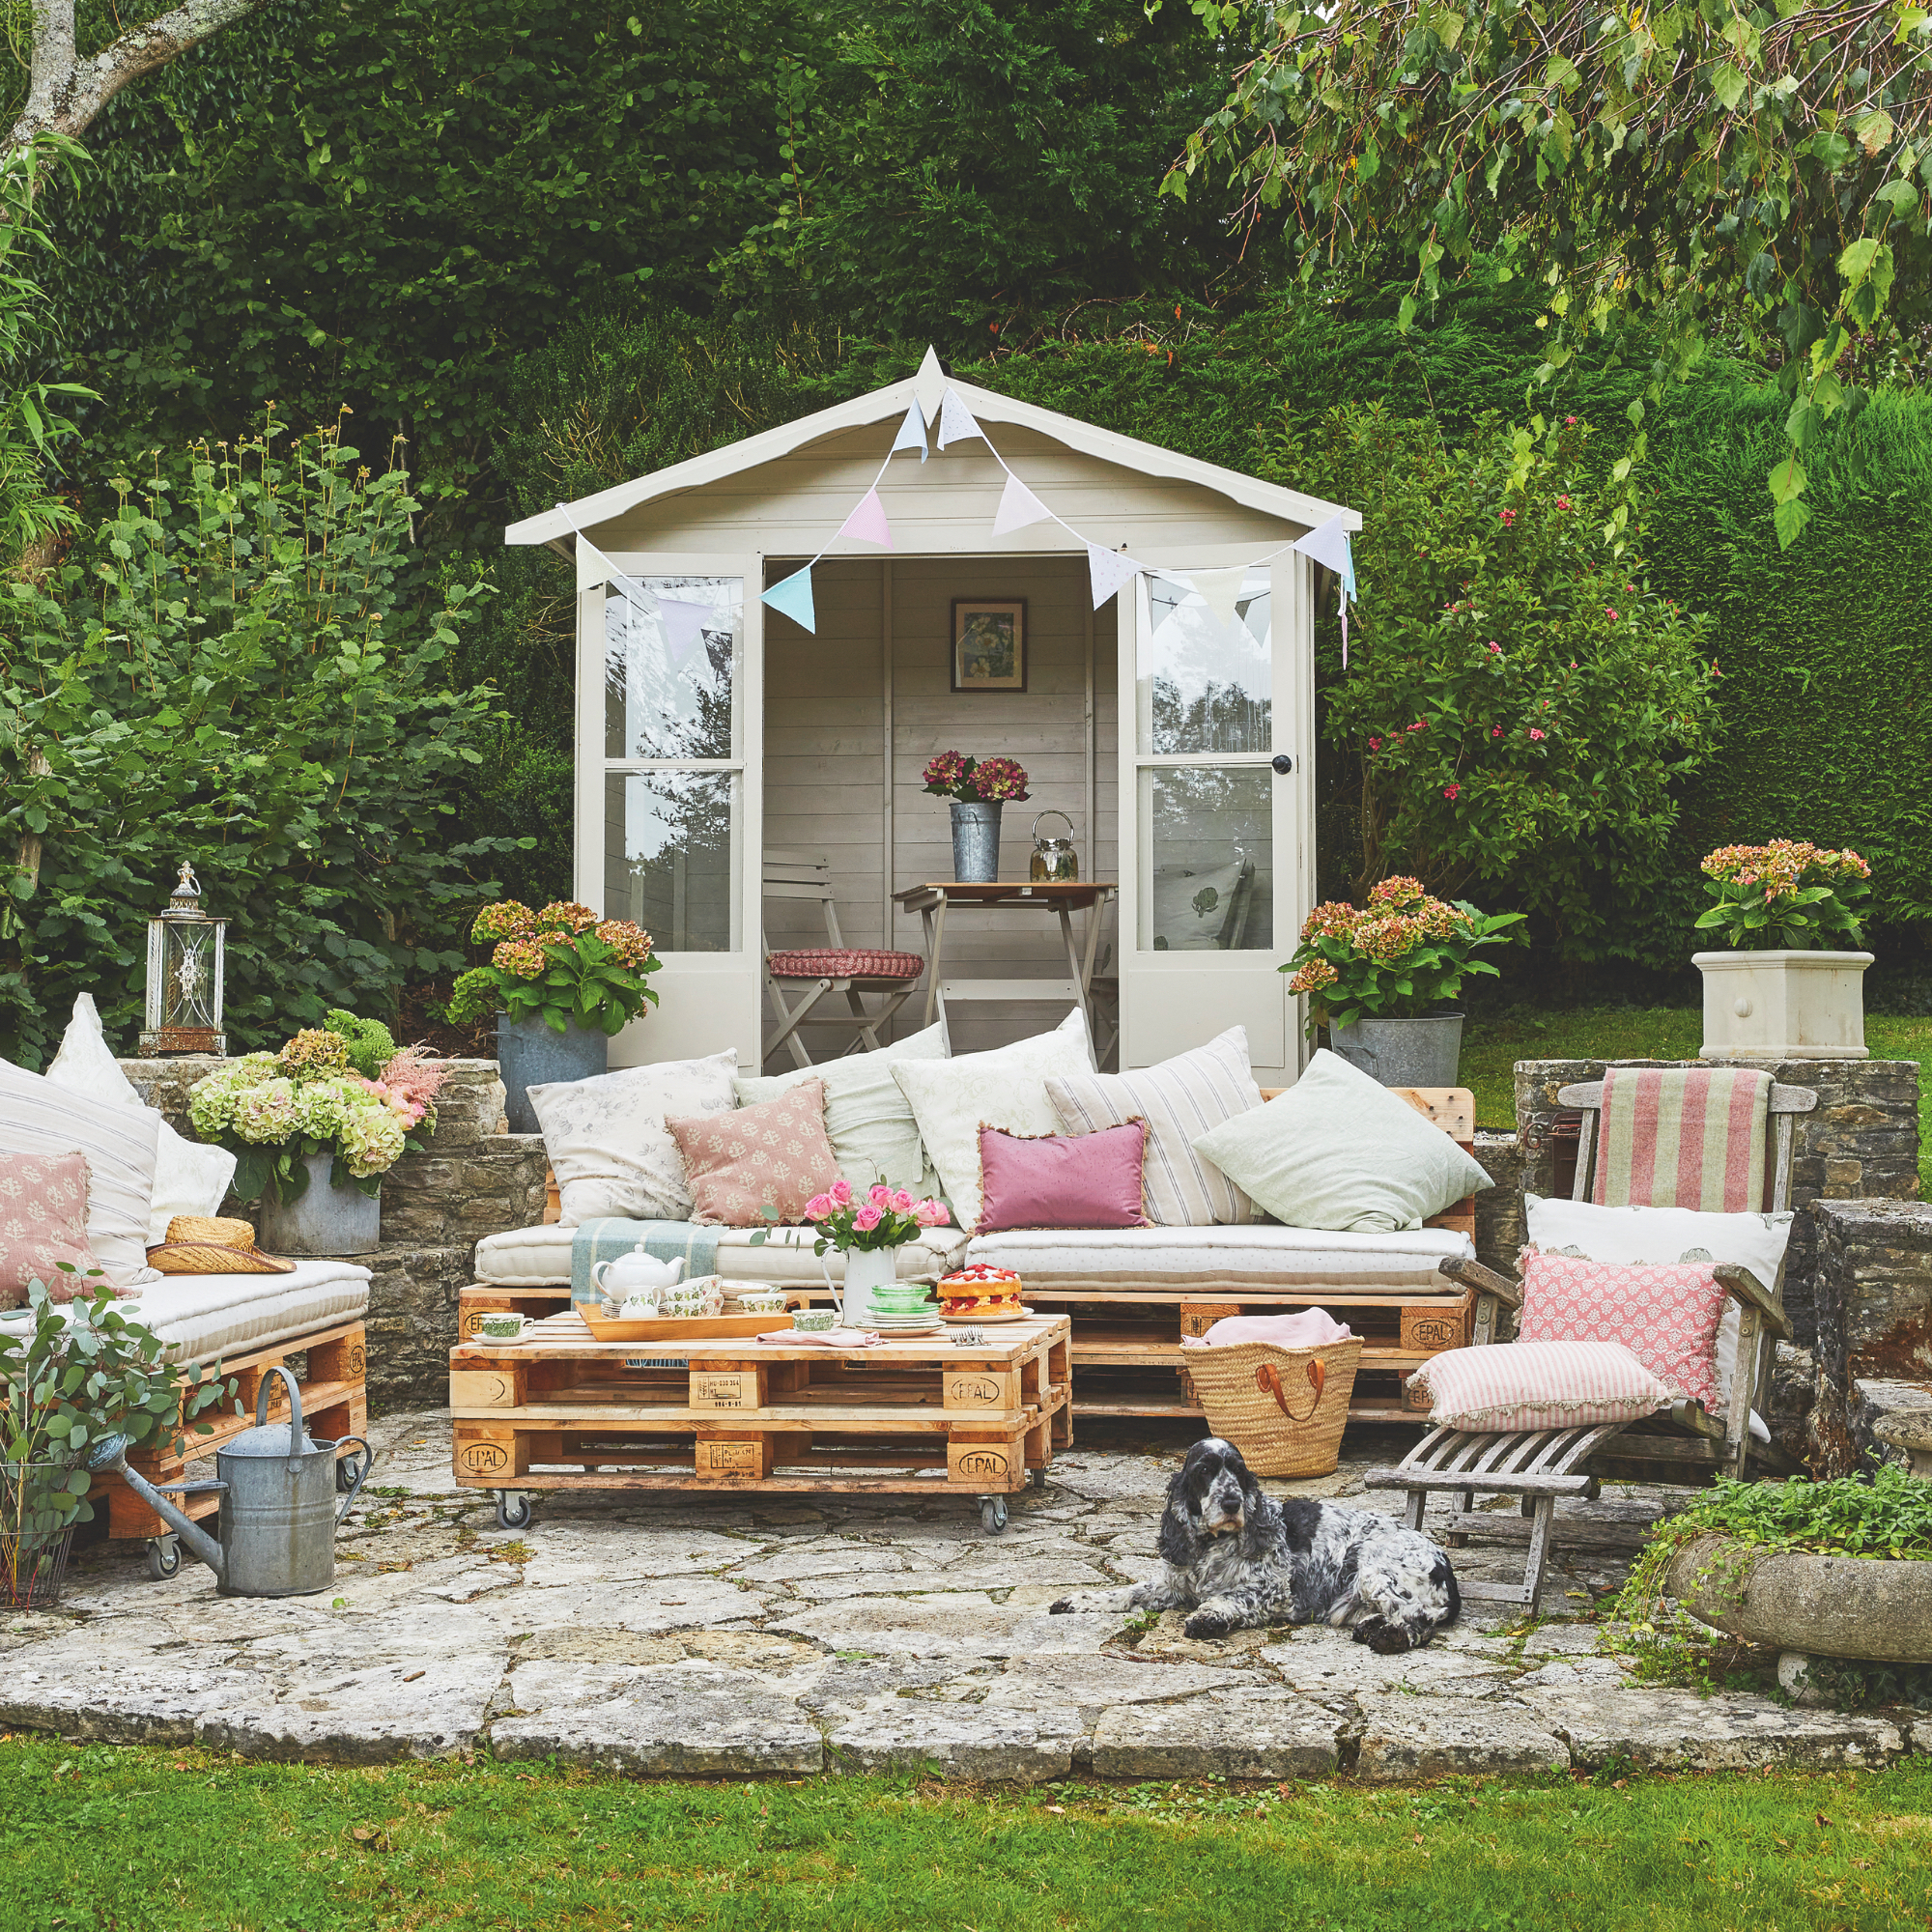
[(560, 982), (1383, 979), (1784, 990), (71, 1373)]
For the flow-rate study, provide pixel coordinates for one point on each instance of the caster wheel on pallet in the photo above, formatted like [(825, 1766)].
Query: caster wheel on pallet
[(347, 1469), (1038, 1478), (513, 1510), (164, 1557), (992, 1514)]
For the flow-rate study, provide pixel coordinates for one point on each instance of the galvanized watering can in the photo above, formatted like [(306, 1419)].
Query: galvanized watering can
[(278, 1507)]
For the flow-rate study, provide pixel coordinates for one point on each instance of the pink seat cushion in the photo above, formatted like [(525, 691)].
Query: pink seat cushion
[(1063, 1180), (850, 964), (1665, 1313)]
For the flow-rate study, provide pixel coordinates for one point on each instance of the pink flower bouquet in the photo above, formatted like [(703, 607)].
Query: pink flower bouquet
[(882, 1217)]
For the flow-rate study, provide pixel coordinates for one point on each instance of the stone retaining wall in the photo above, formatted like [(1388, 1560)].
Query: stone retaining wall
[(1874, 1318)]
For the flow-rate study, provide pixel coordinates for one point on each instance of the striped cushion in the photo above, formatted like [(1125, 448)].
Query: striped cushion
[(1683, 1137), (847, 965), (119, 1143), (1537, 1385), (1181, 1099)]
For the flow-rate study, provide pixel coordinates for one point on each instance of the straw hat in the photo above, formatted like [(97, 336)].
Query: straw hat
[(203, 1244)]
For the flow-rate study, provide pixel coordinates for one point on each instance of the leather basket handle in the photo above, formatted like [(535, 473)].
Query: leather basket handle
[(1267, 1379)]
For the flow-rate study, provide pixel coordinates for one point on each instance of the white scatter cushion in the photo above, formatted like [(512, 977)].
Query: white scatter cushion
[(1538, 1386), (1179, 1099), (189, 1177), (37, 1116), (540, 1257), (1339, 1151), (205, 1317), (607, 1139), (867, 1120), (952, 1099), (1638, 1234)]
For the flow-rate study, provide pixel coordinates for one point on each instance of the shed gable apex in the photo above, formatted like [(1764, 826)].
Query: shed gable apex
[(893, 400)]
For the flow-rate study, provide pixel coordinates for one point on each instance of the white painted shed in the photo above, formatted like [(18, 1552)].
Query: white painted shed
[(706, 737)]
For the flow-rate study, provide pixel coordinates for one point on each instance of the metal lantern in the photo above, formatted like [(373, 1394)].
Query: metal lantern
[(186, 957)]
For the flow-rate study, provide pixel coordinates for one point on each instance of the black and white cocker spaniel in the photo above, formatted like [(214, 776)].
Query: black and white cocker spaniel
[(1237, 1558)]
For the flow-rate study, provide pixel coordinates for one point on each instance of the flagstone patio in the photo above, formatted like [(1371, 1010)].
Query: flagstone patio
[(686, 1635)]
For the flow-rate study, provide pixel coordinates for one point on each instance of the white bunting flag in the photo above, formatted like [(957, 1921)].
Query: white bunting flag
[(955, 421), (594, 567), (929, 385), (1218, 590), (684, 625), (1109, 570), (1328, 545), (912, 431), (1019, 507)]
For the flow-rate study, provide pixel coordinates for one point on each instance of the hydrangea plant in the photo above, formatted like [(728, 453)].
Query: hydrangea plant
[(977, 780), (273, 1110), (563, 964), (1786, 895), (1400, 956)]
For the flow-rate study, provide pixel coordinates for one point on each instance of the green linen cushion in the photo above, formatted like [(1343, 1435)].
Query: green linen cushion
[(1339, 1151), (869, 1122)]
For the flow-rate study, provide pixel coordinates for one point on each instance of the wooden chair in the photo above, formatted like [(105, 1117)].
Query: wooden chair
[(1680, 1444), (820, 971)]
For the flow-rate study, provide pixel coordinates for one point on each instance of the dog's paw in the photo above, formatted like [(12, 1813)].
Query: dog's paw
[(1381, 1637), (1065, 1606), (1208, 1624)]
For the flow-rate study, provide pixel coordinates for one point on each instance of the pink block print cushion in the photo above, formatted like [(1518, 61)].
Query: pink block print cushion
[(773, 1155), (1538, 1386), (42, 1223), (1063, 1180), (1665, 1313)]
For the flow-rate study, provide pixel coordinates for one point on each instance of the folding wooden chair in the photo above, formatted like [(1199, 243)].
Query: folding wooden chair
[(1680, 1445), (838, 968)]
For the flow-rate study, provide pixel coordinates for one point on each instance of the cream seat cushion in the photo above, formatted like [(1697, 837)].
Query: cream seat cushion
[(1258, 1257), (540, 1257)]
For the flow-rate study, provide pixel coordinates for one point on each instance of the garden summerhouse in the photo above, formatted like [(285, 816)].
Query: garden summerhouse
[(714, 726)]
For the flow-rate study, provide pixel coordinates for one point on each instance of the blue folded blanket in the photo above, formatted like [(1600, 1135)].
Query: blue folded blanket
[(606, 1238)]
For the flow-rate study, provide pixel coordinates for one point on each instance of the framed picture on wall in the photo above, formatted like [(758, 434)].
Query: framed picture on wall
[(989, 644)]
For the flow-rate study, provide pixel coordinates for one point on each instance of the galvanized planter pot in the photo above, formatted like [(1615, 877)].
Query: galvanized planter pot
[(1404, 1053), (529, 1054), (976, 841), (326, 1221)]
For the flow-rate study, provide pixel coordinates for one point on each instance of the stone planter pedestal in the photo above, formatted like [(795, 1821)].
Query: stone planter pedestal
[(1784, 1006)]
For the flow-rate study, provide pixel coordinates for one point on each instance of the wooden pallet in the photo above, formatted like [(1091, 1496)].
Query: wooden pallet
[(558, 1409), (333, 1404)]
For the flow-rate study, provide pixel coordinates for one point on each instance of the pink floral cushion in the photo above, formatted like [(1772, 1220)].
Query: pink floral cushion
[(773, 1155), (847, 965), (1665, 1313), (42, 1223), (1063, 1180), (1521, 1385)]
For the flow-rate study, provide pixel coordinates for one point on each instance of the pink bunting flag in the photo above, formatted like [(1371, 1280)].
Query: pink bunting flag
[(867, 523), (1019, 507), (1109, 570)]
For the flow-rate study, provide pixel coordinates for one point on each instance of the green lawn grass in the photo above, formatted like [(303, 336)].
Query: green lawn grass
[(1491, 1047), (137, 1838)]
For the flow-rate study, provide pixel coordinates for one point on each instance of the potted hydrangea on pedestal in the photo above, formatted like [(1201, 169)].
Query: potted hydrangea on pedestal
[(313, 1138), (561, 983), (1383, 979), (1784, 992)]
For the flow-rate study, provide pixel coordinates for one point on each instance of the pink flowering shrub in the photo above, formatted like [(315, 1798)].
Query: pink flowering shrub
[(978, 781), (563, 965), (1556, 736), (1400, 956), (1787, 896)]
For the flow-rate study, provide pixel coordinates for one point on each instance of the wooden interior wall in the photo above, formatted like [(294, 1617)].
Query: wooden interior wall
[(825, 745)]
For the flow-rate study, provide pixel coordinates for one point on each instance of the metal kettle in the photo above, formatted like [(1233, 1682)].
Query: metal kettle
[(1055, 862), (276, 1531)]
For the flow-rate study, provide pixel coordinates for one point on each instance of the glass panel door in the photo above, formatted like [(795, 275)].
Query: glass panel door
[(668, 692)]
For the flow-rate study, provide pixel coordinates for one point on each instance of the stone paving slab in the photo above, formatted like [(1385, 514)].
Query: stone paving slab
[(676, 1635)]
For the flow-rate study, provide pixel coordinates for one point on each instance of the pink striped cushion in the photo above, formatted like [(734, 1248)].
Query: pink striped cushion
[(1683, 1137), (847, 965), (1538, 1386), (1667, 1314)]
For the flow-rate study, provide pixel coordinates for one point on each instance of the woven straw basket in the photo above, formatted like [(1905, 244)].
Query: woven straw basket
[(1282, 1409)]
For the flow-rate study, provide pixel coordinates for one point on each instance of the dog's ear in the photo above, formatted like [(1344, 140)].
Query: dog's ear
[(1175, 1544)]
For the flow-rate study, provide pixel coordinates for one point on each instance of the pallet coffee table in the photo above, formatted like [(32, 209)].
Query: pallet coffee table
[(558, 1409)]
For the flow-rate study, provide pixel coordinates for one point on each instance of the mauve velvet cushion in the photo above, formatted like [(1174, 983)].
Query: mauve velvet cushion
[(1063, 1180)]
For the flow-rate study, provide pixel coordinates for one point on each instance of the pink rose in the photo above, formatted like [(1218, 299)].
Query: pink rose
[(818, 1208), (902, 1202), (841, 1193), (866, 1218), (932, 1215), (881, 1195)]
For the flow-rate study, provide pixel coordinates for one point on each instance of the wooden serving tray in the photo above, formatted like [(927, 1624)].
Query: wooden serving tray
[(683, 1329)]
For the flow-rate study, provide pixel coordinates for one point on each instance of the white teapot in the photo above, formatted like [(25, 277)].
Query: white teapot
[(636, 1276)]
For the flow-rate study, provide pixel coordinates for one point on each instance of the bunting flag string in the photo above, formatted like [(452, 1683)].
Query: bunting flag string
[(1217, 589), (1108, 570), (956, 424), (684, 625), (791, 597), (912, 431)]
